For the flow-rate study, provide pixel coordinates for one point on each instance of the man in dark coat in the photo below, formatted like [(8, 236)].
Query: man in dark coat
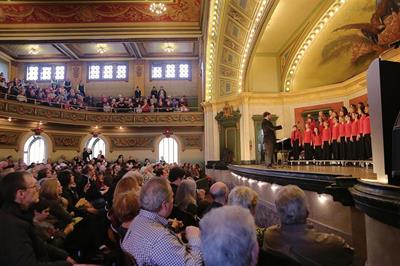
[(20, 243), (269, 138)]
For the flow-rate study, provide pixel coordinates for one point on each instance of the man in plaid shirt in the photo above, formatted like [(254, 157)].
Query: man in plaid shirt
[(149, 239)]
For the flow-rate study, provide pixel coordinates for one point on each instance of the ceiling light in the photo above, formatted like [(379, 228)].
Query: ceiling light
[(101, 48), (169, 47), (158, 8), (34, 50)]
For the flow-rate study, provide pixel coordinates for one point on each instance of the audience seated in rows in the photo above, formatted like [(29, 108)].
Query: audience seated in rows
[(66, 97)]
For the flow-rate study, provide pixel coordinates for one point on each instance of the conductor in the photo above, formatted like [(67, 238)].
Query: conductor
[(269, 138)]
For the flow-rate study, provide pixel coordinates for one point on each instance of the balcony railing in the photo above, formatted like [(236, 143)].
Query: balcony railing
[(36, 112)]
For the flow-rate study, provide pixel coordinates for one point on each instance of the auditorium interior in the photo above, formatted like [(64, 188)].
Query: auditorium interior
[(160, 84)]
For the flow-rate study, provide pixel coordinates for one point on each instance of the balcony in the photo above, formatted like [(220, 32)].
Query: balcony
[(35, 112)]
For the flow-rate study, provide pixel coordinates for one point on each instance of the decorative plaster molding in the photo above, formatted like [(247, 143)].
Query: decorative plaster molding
[(48, 114), (191, 141), (9, 139), (66, 142), (132, 142)]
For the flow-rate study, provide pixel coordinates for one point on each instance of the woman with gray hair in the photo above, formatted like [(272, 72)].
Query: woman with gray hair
[(228, 237), (298, 240), (245, 197), (185, 208)]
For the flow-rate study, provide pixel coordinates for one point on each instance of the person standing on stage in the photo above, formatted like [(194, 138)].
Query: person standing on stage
[(366, 133), (355, 137), (326, 141), (269, 138), (349, 143), (335, 137), (307, 142), (342, 138), (295, 140), (317, 142)]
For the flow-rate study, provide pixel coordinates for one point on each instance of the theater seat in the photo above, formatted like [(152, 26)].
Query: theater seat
[(272, 258)]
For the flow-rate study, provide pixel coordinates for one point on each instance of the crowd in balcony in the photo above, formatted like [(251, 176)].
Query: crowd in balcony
[(67, 97)]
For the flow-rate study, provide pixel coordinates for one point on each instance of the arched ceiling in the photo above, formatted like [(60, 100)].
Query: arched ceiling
[(323, 42)]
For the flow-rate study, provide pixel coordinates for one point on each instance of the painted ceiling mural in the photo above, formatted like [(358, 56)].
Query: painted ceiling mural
[(55, 13), (356, 35)]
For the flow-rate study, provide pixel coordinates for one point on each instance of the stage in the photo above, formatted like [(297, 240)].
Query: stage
[(353, 171)]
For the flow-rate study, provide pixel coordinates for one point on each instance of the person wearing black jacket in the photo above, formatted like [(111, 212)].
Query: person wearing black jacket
[(20, 243), (269, 138)]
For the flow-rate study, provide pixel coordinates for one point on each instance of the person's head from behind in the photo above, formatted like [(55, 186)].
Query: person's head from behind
[(176, 174), (267, 115), (19, 187), (245, 197), (219, 192), (232, 242), (186, 193), (126, 206), (290, 202), (157, 196), (66, 179), (126, 184)]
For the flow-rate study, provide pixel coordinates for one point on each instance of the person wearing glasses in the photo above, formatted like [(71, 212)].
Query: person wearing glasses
[(20, 244)]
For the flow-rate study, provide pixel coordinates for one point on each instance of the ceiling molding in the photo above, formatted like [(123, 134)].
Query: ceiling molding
[(131, 51), (66, 50)]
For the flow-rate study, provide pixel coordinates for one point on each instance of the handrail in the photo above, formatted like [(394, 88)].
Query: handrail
[(97, 109)]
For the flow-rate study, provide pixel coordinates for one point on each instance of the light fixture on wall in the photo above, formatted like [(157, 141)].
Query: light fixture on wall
[(33, 50), (101, 48), (169, 47), (168, 132), (158, 8)]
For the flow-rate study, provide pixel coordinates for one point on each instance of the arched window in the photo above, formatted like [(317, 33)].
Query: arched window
[(35, 150), (97, 145), (168, 150)]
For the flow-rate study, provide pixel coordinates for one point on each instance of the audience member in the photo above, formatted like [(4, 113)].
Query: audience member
[(232, 242), (300, 241), (149, 240), (21, 245), (219, 193)]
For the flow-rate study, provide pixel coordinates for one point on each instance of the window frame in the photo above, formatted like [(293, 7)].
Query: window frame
[(41, 66), (27, 151), (114, 71), (163, 66)]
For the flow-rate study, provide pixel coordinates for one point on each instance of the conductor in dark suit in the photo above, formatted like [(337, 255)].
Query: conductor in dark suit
[(269, 138)]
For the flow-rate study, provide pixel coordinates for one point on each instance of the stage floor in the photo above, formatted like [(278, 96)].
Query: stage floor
[(357, 172)]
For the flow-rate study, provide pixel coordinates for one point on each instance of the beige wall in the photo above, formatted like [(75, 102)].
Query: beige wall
[(77, 71), (187, 155), (175, 87), (263, 74)]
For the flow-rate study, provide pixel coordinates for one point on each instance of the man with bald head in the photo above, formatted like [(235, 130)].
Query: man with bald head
[(219, 193)]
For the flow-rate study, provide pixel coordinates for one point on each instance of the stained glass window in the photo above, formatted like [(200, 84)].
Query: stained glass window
[(156, 72), (45, 73), (59, 72), (94, 72), (171, 70), (184, 71), (121, 71)]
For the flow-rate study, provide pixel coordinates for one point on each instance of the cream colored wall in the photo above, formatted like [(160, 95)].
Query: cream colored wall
[(175, 87), (187, 155), (263, 74), (126, 88)]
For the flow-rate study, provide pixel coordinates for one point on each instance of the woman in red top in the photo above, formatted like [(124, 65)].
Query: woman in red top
[(295, 140), (317, 142), (320, 123), (342, 138), (367, 134), (307, 141), (347, 130), (326, 141), (361, 115), (335, 136), (355, 137)]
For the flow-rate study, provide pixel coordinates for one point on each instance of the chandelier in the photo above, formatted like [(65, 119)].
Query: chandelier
[(34, 50), (169, 47), (101, 49), (158, 8)]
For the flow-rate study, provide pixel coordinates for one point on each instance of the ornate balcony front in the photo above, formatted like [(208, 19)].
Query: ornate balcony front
[(26, 111)]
